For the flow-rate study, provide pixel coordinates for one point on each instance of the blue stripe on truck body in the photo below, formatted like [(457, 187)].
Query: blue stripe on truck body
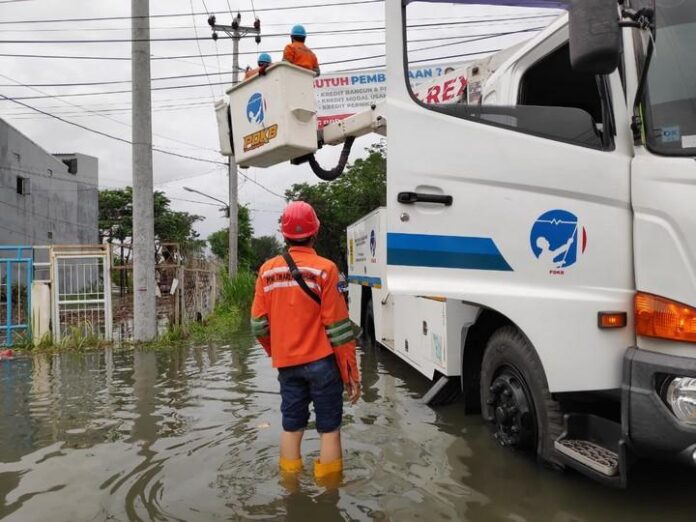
[(426, 250)]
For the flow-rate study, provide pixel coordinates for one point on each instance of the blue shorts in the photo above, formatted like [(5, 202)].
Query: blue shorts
[(318, 382)]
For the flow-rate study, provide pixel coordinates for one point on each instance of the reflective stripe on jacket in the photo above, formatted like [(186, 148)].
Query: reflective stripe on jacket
[(301, 331), (299, 54)]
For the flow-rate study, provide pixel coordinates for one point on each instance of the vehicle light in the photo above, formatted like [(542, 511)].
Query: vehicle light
[(664, 319), (681, 398), (611, 319)]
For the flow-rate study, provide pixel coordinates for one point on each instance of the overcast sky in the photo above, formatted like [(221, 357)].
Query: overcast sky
[(183, 119)]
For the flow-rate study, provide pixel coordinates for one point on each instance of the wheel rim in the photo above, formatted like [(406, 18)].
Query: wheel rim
[(511, 409)]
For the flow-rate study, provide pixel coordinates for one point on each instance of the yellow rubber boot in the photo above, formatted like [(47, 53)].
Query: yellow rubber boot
[(290, 474), (330, 474), (290, 466)]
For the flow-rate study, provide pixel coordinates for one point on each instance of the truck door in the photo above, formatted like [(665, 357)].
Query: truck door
[(664, 183), (522, 208)]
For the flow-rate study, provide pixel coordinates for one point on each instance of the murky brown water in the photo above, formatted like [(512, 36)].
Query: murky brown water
[(191, 434)]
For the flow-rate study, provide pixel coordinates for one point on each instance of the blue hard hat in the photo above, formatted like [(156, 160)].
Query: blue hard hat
[(298, 30), (264, 58)]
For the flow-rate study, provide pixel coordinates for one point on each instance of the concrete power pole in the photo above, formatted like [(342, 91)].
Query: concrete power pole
[(144, 305), (236, 32), (232, 170)]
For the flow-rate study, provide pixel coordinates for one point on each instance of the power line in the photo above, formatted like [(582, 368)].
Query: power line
[(178, 27), (432, 25), (178, 15), (123, 140), (198, 44), (158, 58), (101, 115), (49, 218), (194, 201), (469, 39)]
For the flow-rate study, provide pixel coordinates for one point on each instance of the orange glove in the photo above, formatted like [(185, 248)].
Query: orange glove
[(266, 343), (348, 366)]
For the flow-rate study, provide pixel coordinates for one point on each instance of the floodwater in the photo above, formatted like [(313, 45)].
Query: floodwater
[(191, 434)]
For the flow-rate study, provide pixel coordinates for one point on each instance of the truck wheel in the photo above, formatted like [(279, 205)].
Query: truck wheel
[(515, 396), (368, 330)]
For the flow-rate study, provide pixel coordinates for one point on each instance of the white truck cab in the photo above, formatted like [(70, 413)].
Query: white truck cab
[(537, 251), (541, 249)]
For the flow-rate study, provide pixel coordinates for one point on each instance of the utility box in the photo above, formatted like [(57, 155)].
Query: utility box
[(274, 117)]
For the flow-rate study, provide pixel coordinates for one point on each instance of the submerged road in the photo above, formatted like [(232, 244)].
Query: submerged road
[(191, 434)]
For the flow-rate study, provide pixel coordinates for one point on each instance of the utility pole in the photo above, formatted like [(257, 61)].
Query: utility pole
[(144, 305), (236, 32)]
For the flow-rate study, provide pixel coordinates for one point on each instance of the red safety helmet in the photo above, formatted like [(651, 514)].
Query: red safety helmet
[(299, 221)]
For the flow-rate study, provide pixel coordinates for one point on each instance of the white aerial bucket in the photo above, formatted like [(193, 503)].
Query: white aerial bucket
[(274, 117)]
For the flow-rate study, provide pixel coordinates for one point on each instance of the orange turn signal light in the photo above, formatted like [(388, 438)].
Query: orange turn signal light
[(612, 319), (664, 318)]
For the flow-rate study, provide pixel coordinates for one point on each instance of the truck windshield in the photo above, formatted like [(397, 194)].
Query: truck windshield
[(671, 93)]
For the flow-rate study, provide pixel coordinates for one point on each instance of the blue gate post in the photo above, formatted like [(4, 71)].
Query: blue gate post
[(10, 263)]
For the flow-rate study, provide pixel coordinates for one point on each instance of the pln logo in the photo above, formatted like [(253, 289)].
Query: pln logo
[(256, 108), (557, 240), (373, 244)]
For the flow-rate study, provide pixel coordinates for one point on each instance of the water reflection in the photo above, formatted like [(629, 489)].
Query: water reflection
[(191, 433)]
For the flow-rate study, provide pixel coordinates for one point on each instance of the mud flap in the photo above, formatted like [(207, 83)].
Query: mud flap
[(445, 391)]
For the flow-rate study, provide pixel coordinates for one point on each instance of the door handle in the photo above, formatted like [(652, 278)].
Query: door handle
[(409, 198)]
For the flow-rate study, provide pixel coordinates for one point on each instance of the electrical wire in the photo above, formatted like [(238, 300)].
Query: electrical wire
[(473, 38), (178, 15), (198, 44), (177, 27), (51, 219), (431, 26), (104, 116), (123, 140), (316, 48)]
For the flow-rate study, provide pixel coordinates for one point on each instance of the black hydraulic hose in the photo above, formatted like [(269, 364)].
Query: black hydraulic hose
[(334, 173)]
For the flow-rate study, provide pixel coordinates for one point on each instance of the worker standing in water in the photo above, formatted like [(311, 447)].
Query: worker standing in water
[(297, 53), (263, 62), (301, 320)]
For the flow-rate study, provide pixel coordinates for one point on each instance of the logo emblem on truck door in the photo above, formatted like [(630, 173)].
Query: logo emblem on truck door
[(557, 240), (256, 108)]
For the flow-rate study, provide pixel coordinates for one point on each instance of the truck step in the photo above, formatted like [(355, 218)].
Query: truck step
[(591, 455), (595, 447)]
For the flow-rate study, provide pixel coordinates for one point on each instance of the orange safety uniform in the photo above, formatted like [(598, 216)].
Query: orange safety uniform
[(291, 326), (299, 54)]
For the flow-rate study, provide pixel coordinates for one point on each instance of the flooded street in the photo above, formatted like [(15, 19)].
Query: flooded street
[(191, 433)]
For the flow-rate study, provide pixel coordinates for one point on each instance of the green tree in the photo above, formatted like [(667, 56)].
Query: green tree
[(219, 241), (263, 248), (116, 219), (361, 189), (115, 214)]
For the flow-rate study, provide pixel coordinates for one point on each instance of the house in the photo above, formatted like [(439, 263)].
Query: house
[(45, 198)]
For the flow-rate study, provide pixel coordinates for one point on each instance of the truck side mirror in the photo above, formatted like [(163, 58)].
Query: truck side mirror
[(594, 36)]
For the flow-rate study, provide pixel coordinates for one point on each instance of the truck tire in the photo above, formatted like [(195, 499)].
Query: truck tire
[(515, 397), (368, 341)]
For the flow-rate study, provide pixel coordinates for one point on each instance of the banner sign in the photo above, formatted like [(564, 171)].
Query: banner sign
[(341, 95)]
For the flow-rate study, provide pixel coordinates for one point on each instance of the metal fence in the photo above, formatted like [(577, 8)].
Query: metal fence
[(186, 286), (15, 293), (81, 290)]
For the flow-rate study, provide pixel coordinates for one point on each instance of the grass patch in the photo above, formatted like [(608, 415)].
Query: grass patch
[(236, 293), (231, 315)]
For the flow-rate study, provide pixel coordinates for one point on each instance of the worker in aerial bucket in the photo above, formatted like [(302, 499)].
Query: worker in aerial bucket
[(301, 320), (263, 62), (297, 53)]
